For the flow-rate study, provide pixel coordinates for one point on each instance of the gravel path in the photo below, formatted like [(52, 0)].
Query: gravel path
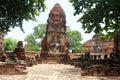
[(54, 72)]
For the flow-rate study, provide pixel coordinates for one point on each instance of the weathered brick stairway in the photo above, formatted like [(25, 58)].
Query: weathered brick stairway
[(50, 59)]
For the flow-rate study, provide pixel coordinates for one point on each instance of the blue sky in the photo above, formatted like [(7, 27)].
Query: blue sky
[(71, 20)]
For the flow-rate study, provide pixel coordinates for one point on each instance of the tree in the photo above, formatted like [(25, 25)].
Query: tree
[(99, 16), (10, 43), (39, 31), (74, 38), (13, 12), (32, 45), (31, 39)]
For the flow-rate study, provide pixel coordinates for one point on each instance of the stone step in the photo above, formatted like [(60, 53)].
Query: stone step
[(51, 62), (54, 58), (21, 71), (51, 58)]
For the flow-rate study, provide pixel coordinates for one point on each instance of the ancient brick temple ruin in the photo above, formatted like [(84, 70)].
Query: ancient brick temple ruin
[(20, 51), (1, 43), (55, 41), (97, 45), (117, 44)]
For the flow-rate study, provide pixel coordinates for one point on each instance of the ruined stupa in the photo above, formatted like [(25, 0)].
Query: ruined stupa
[(19, 51), (55, 40)]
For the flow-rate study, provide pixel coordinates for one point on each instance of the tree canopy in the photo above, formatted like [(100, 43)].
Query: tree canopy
[(39, 31), (10, 43), (98, 15), (31, 39), (13, 12), (75, 39), (32, 44)]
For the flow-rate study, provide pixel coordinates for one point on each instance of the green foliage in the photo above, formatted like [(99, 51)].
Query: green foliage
[(32, 44), (74, 38), (10, 44), (30, 38), (32, 47), (13, 12), (39, 30), (98, 15)]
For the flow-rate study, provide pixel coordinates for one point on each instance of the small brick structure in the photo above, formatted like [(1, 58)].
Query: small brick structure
[(12, 68), (20, 51), (97, 66), (98, 70), (6, 69)]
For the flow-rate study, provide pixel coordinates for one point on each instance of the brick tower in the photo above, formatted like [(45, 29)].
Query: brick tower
[(55, 41)]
